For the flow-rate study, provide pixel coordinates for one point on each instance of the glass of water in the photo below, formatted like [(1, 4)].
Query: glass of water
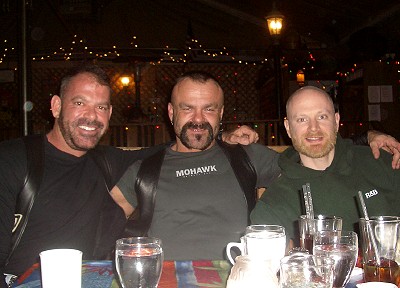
[(302, 270), (138, 261), (342, 247)]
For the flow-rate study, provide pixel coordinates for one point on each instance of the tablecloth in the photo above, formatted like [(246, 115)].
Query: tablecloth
[(175, 274), (100, 274)]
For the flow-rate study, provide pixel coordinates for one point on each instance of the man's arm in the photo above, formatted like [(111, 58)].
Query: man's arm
[(243, 135), (378, 140), (120, 199)]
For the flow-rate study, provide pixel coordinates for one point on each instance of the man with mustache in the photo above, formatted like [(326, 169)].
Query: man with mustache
[(336, 170), (72, 194), (199, 204)]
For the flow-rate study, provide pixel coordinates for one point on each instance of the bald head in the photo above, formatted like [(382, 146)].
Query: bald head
[(305, 92)]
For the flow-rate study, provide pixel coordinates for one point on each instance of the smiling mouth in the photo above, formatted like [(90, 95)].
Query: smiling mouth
[(314, 139), (87, 128), (197, 129)]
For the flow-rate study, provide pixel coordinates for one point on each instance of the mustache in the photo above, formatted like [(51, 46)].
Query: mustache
[(318, 134), (87, 122), (191, 125)]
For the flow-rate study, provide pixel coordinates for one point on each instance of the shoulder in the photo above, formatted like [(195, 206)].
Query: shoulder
[(11, 145), (13, 165), (256, 149), (261, 155), (363, 154), (12, 150), (131, 172)]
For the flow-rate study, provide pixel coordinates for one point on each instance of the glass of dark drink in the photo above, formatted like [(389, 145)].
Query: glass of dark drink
[(308, 228), (381, 249)]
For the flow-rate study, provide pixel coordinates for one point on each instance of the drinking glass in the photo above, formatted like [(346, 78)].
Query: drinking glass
[(381, 255), (302, 270), (308, 228), (138, 261), (342, 247)]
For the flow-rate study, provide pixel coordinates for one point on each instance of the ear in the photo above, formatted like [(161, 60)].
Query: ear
[(287, 127), (170, 111), (55, 105), (221, 113), (337, 120), (109, 116)]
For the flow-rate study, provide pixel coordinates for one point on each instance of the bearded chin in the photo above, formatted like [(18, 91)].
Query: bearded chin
[(74, 140), (316, 151), (200, 142)]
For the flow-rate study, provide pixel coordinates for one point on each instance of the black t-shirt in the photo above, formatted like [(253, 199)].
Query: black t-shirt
[(66, 211)]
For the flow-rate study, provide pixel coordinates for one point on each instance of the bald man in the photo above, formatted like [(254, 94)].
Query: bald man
[(335, 168)]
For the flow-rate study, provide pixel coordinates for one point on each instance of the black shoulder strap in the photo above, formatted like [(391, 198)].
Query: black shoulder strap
[(244, 171), (99, 156), (145, 186), (112, 219), (35, 166)]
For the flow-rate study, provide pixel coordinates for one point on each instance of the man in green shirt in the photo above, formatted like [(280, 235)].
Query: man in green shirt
[(335, 168)]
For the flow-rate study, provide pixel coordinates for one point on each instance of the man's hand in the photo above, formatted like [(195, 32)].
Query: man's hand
[(378, 140), (243, 135)]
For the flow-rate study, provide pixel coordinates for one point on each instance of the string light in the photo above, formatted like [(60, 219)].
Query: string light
[(78, 48)]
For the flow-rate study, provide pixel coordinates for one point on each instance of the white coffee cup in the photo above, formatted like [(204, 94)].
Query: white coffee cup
[(61, 268), (267, 242)]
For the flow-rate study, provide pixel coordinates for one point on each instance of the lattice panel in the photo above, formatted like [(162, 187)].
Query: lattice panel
[(45, 83), (238, 82)]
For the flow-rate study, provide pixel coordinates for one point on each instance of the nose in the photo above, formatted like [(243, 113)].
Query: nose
[(313, 125), (198, 116), (90, 112)]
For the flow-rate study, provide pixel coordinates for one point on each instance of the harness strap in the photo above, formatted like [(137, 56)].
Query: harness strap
[(244, 171), (145, 186), (35, 166)]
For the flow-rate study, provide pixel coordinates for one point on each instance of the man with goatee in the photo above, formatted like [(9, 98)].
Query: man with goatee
[(335, 168)]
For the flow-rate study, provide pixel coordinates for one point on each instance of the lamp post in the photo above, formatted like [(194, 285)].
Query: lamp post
[(275, 24)]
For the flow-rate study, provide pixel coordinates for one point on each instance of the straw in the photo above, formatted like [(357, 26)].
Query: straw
[(369, 229), (308, 201), (308, 204)]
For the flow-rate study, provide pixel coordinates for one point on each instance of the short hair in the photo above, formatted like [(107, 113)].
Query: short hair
[(98, 73), (197, 76)]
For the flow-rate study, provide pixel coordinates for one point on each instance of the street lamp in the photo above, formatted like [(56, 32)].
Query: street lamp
[(275, 25)]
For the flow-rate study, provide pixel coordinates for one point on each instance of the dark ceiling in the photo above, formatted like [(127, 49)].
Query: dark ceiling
[(338, 31)]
